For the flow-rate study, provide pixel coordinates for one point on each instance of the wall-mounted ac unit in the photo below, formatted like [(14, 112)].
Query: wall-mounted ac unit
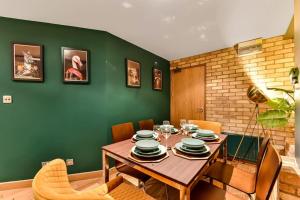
[(249, 47)]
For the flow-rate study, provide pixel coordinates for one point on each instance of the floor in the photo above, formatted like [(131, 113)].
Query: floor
[(154, 188)]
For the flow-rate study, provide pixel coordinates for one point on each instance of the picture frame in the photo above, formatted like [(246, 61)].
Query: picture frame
[(133, 73), (157, 79), (76, 67), (27, 62)]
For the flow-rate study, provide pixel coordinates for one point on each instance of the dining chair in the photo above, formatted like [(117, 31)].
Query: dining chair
[(235, 177), (146, 124), (121, 132), (51, 183), (266, 178), (216, 127)]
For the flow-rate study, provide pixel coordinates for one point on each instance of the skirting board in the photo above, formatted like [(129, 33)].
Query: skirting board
[(72, 177)]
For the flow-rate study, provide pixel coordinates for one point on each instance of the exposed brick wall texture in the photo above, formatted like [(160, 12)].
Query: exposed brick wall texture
[(229, 76)]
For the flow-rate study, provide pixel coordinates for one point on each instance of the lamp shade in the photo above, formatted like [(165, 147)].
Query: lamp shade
[(256, 95)]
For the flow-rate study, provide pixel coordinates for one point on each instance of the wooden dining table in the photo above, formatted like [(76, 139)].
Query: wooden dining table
[(175, 171)]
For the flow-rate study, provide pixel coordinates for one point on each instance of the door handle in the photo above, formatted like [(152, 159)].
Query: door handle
[(201, 110)]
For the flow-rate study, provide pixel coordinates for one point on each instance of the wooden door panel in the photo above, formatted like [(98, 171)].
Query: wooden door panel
[(188, 94)]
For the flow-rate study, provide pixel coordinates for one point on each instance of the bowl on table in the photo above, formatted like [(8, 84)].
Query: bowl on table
[(192, 146), (148, 149), (145, 135)]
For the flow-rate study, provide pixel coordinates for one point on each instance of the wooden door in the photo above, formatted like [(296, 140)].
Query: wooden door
[(187, 94)]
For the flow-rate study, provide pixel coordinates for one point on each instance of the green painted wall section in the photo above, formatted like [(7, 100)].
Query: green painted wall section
[(52, 119)]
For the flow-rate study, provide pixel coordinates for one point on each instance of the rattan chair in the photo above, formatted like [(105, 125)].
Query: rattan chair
[(120, 133), (235, 177), (146, 124), (51, 183), (267, 175)]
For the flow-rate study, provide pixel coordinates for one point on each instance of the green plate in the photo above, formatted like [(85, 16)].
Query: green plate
[(213, 138), (193, 150), (137, 138), (162, 149), (178, 146), (152, 152)]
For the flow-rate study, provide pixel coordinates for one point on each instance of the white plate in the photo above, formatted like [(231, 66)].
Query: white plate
[(162, 148)]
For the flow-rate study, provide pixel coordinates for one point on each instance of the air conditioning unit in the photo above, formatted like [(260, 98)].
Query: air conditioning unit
[(249, 47)]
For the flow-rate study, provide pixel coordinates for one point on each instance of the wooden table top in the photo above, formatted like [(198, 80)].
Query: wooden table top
[(178, 169)]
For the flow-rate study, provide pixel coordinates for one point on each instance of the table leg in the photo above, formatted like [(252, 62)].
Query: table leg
[(225, 151), (188, 193), (105, 166), (182, 193)]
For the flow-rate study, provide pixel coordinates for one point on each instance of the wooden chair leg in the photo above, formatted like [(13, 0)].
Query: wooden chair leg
[(141, 184)]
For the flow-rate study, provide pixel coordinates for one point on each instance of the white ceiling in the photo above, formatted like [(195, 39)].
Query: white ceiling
[(169, 28)]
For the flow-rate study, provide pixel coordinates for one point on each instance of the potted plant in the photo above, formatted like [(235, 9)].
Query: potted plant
[(281, 108)]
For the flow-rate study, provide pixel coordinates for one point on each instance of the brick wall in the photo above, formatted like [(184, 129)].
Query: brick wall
[(229, 76), (289, 179)]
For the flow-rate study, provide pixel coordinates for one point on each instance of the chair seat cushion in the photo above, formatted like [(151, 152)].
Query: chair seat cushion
[(232, 176), (126, 191), (205, 191), (125, 169)]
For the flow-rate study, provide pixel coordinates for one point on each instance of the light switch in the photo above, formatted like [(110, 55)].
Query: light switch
[(7, 99)]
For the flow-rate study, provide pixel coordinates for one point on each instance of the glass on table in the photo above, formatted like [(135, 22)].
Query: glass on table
[(156, 128), (166, 122), (166, 132), (183, 122)]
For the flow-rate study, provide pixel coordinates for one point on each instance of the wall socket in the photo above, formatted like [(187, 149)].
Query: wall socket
[(44, 163), (70, 162), (7, 99)]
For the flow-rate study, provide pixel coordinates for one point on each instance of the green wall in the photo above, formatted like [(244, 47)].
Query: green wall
[(52, 119)]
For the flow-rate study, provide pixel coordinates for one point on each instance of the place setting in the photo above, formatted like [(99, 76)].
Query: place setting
[(206, 135), (145, 135), (148, 151), (192, 149)]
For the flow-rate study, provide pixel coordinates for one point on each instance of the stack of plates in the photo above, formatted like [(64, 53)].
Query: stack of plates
[(190, 127), (145, 135), (192, 146), (148, 149), (206, 135)]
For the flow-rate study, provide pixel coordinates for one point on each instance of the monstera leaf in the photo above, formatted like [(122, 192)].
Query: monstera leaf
[(273, 118), (280, 104)]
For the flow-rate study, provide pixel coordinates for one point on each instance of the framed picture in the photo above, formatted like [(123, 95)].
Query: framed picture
[(133, 73), (75, 65), (157, 79), (27, 63)]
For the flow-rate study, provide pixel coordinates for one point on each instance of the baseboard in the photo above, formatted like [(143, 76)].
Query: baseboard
[(72, 177)]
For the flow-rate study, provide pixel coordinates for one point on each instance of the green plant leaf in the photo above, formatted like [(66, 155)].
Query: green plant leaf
[(280, 104), (282, 90), (273, 119)]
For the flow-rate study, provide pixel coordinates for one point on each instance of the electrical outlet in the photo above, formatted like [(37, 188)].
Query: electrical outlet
[(70, 162), (44, 163), (7, 99)]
